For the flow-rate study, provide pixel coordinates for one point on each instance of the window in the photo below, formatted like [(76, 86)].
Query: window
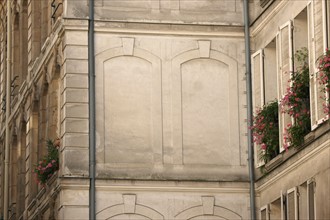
[(317, 43), (264, 213), (307, 29), (303, 201), (291, 38), (263, 3), (264, 91), (275, 209), (292, 204), (311, 199), (300, 28), (19, 49), (57, 9), (45, 20), (270, 72)]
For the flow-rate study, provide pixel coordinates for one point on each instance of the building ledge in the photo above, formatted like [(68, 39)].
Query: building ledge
[(312, 141)]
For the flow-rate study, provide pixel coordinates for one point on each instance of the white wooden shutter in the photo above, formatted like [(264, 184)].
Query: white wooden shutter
[(284, 72), (257, 79), (258, 96), (311, 200), (317, 42), (264, 213), (292, 204)]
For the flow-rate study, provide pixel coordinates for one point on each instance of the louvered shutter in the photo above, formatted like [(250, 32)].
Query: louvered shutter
[(257, 68), (284, 71), (317, 45), (257, 80), (292, 204), (311, 200)]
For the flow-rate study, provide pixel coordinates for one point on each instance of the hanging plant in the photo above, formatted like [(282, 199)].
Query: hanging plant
[(324, 80), (296, 103), (49, 164), (266, 131)]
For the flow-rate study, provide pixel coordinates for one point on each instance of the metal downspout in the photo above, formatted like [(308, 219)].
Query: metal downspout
[(8, 88), (249, 108), (91, 106)]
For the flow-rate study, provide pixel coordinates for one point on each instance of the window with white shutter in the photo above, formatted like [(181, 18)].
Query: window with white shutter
[(317, 43), (275, 209), (292, 204), (302, 203), (264, 213), (284, 71)]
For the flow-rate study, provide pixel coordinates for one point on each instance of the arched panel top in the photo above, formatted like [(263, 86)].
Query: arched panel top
[(133, 216), (119, 209), (195, 54), (119, 51), (198, 211)]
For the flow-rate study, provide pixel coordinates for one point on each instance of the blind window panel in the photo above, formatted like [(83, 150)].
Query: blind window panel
[(292, 204), (258, 93), (317, 45), (311, 200), (285, 69)]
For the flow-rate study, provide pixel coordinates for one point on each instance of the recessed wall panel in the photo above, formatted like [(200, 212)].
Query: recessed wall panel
[(205, 112), (128, 100)]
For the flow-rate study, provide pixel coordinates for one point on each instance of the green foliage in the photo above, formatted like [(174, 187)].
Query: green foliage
[(48, 165), (323, 77), (296, 102), (266, 131)]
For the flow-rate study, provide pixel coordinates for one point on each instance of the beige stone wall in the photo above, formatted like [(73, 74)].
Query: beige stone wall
[(169, 106), (225, 12), (156, 200), (74, 105), (155, 94)]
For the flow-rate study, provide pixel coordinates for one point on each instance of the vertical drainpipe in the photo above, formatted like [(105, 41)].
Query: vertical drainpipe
[(8, 88), (249, 108), (91, 107)]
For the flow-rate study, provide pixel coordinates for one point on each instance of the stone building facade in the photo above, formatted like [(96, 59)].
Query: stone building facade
[(297, 182), (171, 110)]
